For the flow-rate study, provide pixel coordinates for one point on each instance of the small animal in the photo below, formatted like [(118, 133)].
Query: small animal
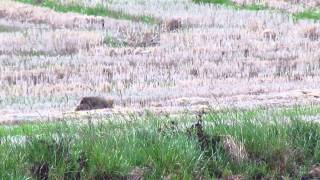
[(172, 24), (89, 103)]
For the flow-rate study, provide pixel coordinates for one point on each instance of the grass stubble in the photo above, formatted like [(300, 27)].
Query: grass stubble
[(278, 144), (307, 13)]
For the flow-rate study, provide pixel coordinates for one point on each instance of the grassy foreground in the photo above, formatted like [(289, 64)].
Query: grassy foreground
[(278, 144)]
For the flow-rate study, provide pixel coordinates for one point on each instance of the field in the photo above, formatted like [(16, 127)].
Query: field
[(218, 58), (250, 68)]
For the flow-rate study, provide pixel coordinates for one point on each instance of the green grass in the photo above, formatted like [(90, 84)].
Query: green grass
[(223, 2), (256, 7), (112, 149), (313, 14), (99, 10), (4, 28), (308, 14)]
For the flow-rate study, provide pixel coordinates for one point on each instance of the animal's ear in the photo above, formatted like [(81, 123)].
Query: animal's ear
[(83, 100)]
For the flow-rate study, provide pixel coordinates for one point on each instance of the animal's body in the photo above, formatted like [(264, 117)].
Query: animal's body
[(172, 24), (89, 103)]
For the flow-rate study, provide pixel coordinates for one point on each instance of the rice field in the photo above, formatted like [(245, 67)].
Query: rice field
[(189, 89), (216, 57)]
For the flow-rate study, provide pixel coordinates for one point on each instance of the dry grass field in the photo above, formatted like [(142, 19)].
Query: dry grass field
[(159, 89), (190, 56)]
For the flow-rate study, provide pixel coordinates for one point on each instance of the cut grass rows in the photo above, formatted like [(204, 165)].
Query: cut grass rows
[(313, 14), (160, 147), (99, 10)]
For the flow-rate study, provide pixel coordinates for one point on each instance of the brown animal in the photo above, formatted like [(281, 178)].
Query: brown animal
[(172, 24), (89, 103)]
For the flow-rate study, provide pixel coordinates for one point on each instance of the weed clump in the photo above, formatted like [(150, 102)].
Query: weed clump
[(139, 37), (233, 149)]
